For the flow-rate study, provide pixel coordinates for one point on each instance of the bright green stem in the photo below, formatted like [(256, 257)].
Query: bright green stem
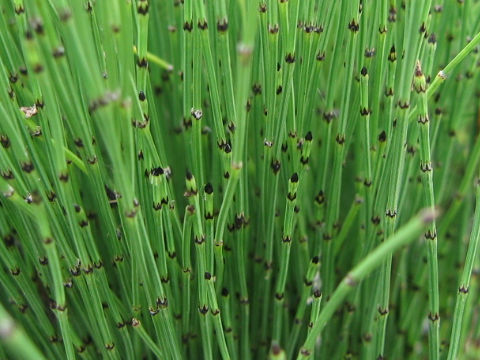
[(443, 74), (431, 234), (403, 236), (464, 287)]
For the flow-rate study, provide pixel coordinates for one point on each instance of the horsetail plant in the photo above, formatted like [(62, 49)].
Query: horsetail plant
[(239, 179)]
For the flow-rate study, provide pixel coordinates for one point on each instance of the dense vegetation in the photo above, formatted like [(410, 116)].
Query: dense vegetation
[(239, 179)]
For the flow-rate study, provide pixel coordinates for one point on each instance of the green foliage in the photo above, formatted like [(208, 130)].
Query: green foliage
[(239, 179)]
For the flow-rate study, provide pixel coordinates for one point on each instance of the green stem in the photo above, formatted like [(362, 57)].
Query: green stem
[(408, 233)]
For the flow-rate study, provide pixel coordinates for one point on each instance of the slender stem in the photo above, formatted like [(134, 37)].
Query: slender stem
[(464, 287), (403, 236)]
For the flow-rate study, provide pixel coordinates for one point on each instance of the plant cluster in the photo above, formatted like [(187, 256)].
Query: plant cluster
[(239, 179)]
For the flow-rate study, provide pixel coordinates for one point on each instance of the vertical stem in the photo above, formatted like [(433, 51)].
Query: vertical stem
[(420, 86)]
